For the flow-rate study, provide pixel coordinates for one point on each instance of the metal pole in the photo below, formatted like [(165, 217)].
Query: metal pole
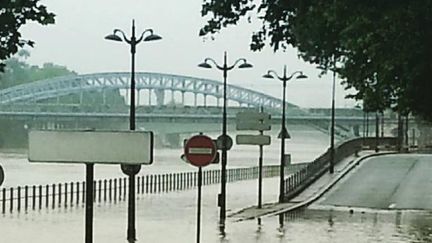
[(283, 132), (367, 124), (199, 205), (132, 91), (260, 165), (260, 174), (413, 137), (400, 132), (376, 131), (332, 132), (406, 130), (89, 203), (131, 232), (224, 149), (364, 123), (132, 170)]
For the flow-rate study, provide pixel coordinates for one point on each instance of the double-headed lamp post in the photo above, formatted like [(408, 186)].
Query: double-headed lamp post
[(224, 139), (284, 133), (132, 170)]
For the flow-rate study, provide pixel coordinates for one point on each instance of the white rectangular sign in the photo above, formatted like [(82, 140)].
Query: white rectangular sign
[(255, 126), (253, 139), (252, 116), (200, 150), (106, 147)]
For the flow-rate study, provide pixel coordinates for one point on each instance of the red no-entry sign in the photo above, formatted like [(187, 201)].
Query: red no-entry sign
[(200, 150)]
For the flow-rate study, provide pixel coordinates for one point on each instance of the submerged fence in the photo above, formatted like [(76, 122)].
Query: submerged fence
[(37, 197)]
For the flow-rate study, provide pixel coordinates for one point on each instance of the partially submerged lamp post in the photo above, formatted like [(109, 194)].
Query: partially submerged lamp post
[(226, 141), (284, 133), (132, 170)]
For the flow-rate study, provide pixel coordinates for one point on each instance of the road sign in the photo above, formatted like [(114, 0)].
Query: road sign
[(130, 170), (252, 115), (253, 139), (215, 161), (256, 121), (108, 147), (286, 134), (1, 175), (200, 150), (220, 142)]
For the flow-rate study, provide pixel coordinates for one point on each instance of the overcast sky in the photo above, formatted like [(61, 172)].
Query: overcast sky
[(77, 41)]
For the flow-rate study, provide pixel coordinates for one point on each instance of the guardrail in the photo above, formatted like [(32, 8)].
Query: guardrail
[(72, 194), (300, 180)]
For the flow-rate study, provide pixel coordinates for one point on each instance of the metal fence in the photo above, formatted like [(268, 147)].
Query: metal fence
[(37, 197)]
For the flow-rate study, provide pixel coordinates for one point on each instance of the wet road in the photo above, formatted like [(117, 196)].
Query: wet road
[(386, 182)]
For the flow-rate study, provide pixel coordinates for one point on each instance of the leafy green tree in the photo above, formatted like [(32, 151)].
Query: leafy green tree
[(381, 48), (13, 15)]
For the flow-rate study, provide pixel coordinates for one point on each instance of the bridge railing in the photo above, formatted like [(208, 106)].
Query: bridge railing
[(300, 180), (121, 108), (72, 194)]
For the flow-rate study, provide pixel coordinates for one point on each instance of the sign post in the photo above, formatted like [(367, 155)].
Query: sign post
[(90, 147), (89, 203), (200, 151), (257, 121)]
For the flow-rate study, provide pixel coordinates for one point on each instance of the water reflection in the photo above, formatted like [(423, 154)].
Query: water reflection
[(258, 232), (280, 235), (330, 220), (343, 226), (281, 220), (420, 227), (222, 233)]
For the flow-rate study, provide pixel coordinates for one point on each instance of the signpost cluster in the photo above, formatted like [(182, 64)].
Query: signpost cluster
[(254, 121)]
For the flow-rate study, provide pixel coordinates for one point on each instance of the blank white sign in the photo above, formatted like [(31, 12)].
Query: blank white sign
[(106, 147), (253, 139)]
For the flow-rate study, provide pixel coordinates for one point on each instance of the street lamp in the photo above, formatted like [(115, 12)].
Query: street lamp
[(284, 133), (224, 139), (132, 170)]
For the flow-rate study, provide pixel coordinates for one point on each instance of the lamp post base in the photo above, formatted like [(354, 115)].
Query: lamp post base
[(131, 171)]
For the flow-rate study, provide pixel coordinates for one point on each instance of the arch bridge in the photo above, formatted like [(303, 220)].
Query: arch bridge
[(194, 104), (146, 85)]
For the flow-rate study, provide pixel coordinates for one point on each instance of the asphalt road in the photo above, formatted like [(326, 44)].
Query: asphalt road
[(386, 182)]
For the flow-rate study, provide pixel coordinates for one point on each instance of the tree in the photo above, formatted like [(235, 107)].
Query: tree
[(380, 48), (17, 71), (13, 15)]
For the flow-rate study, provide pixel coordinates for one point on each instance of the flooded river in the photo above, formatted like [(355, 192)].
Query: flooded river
[(170, 217)]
